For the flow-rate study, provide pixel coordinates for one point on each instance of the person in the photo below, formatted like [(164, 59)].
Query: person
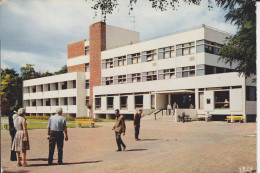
[(226, 104), (119, 128), (183, 115), (12, 132), (21, 139), (175, 106), (137, 121), (208, 116), (191, 106), (56, 127), (169, 108)]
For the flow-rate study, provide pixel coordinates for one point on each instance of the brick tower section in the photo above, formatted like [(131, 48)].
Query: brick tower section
[(97, 43), (75, 50)]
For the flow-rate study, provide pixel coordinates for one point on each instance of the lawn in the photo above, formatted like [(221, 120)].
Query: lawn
[(42, 124)]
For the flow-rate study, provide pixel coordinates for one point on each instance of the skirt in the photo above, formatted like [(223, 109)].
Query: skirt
[(19, 144)]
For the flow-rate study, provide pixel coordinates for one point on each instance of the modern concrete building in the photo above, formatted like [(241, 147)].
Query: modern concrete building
[(115, 70)]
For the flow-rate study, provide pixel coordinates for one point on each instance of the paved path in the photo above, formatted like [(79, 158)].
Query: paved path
[(165, 147)]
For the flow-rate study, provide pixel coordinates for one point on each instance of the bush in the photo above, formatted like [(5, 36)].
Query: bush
[(70, 118), (38, 117)]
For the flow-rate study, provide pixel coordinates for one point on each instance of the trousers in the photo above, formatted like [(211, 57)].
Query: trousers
[(13, 153), (119, 141), (56, 137), (137, 130)]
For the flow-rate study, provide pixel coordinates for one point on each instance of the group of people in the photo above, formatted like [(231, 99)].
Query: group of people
[(171, 108), (20, 140), (56, 133)]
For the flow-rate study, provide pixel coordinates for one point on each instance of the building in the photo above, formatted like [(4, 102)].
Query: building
[(115, 70)]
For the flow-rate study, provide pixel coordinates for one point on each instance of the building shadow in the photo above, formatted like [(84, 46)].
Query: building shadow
[(149, 139), (19, 171), (136, 150)]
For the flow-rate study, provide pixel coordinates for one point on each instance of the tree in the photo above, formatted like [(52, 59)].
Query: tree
[(11, 91), (28, 72), (62, 70), (47, 73), (241, 48)]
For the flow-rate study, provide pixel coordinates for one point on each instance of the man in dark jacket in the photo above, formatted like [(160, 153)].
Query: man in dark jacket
[(137, 121), (119, 128), (12, 132)]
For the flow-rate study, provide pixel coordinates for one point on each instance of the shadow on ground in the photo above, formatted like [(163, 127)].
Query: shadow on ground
[(149, 139), (74, 163), (137, 150), (39, 159)]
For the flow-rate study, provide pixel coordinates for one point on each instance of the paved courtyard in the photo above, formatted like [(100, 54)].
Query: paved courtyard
[(166, 146)]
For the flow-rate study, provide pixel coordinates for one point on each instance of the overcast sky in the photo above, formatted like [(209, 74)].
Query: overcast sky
[(38, 31)]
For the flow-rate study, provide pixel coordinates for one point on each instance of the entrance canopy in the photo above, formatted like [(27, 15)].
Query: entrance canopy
[(174, 92)]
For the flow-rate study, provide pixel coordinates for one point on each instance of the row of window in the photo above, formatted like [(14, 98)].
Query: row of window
[(50, 87), (188, 71), (49, 102), (163, 53)]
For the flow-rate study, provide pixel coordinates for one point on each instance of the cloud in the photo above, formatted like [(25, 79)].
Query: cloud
[(38, 32)]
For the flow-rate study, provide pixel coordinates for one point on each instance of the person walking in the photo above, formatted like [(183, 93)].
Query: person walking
[(56, 127), (12, 132), (137, 121), (21, 139), (169, 108), (119, 128)]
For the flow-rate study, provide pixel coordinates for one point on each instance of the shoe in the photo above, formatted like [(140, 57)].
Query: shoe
[(118, 150), (25, 165), (19, 164), (124, 147), (60, 163), (49, 164)]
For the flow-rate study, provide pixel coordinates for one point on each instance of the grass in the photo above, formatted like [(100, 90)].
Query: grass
[(42, 124)]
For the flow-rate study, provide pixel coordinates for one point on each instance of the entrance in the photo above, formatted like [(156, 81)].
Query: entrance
[(183, 100)]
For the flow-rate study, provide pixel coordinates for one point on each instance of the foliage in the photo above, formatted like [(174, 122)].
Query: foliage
[(11, 91), (28, 72), (63, 70), (240, 49), (38, 117)]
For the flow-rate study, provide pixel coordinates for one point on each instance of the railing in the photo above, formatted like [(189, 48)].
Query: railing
[(161, 110)]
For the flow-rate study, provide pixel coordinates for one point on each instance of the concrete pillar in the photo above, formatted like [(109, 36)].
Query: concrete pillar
[(169, 98), (196, 99)]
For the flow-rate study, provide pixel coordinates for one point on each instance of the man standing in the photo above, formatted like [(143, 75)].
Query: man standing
[(137, 121), (169, 108), (175, 106), (12, 132), (183, 115), (119, 128), (56, 127)]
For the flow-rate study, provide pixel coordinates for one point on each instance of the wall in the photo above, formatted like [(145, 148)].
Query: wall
[(161, 101), (76, 49), (116, 37)]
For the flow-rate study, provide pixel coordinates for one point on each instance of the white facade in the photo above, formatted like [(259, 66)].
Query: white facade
[(174, 68)]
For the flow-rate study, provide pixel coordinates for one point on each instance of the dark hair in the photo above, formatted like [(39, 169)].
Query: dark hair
[(117, 110), (140, 109)]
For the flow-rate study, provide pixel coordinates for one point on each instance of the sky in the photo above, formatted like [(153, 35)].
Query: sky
[(38, 31)]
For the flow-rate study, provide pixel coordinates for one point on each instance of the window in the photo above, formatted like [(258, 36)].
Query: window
[(63, 86), (150, 76), (222, 100), (132, 78), (87, 84), (166, 74), (48, 102), (87, 50), (185, 49), (133, 58), (97, 103), (110, 102), (56, 86), (185, 71), (74, 84), (33, 102), (167, 52), (87, 100), (120, 61), (57, 102), (152, 101), (200, 70), (250, 93), (120, 79), (138, 101), (123, 102), (107, 80), (41, 88), (87, 67), (107, 63), (34, 89), (208, 47), (65, 100), (49, 87), (220, 70), (210, 70), (74, 101), (148, 55)]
